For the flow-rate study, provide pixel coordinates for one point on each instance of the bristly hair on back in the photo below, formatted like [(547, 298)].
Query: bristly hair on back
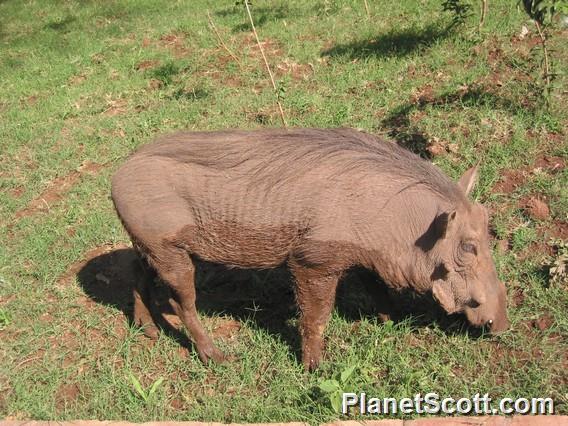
[(275, 157)]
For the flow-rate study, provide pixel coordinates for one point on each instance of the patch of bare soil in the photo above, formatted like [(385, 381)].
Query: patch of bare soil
[(550, 164), (220, 76), (265, 116), (543, 323), (557, 229), (30, 100), (273, 51), (535, 207), (295, 70), (17, 192), (247, 46), (56, 189), (177, 404), (511, 179), (75, 80), (148, 64), (65, 394), (503, 246), (518, 297), (115, 107), (271, 48), (155, 84), (226, 328), (437, 146), (424, 95), (106, 274), (175, 42), (525, 41)]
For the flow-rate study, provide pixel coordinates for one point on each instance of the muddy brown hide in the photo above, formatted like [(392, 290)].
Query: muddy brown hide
[(320, 201)]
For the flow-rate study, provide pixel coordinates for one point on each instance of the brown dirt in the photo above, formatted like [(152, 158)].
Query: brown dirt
[(518, 297), (424, 95), (226, 328), (503, 246), (543, 323), (511, 179), (271, 48), (65, 394), (535, 207), (30, 100), (557, 230), (537, 250), (223, 78), (494, 55), (147, 64), (177, 404), (75, 80), (550, 164), (106, 275), (17, 192), (295, 70), (115, 107), (175, 42), (97, 58), (267, 115), (247, 46), (437, 146), (155, 84), (56, 189)]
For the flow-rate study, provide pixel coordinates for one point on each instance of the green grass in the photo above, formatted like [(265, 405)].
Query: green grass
[(88, 82)]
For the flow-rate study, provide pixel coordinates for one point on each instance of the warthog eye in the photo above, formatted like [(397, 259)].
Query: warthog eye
[(469, 248)]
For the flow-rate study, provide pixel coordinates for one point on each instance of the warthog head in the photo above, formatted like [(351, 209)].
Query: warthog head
[(464, 278)]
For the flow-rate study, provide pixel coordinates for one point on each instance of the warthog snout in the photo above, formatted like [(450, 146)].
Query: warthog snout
[(491, 314)]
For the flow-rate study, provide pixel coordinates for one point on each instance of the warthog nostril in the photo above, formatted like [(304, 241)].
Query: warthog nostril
[(472, 303)]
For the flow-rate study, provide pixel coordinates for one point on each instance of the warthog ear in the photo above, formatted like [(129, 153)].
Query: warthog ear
[(468, 180), (444, 222), (444, 295), (437, 230)]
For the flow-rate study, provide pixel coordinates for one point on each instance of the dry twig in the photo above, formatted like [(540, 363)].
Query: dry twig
[(214, 28), (545, 52), (266, 63), (483, 13)]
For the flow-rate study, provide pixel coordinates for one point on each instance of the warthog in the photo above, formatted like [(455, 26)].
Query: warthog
[(319, 201)]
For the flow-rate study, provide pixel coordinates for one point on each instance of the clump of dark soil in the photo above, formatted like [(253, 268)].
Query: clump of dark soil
[(536, 208)]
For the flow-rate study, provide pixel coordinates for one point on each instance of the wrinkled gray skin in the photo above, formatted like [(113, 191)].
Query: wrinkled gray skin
[(320, 201)]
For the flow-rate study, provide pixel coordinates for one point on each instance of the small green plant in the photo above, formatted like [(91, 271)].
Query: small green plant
[(4, 319), (146, 395), (335, 388), (459, 9), (522, 237), (165, 73), (542, 13)]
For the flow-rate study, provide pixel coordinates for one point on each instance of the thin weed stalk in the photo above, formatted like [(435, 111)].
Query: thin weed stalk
[(266, 64), (214, 28)]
